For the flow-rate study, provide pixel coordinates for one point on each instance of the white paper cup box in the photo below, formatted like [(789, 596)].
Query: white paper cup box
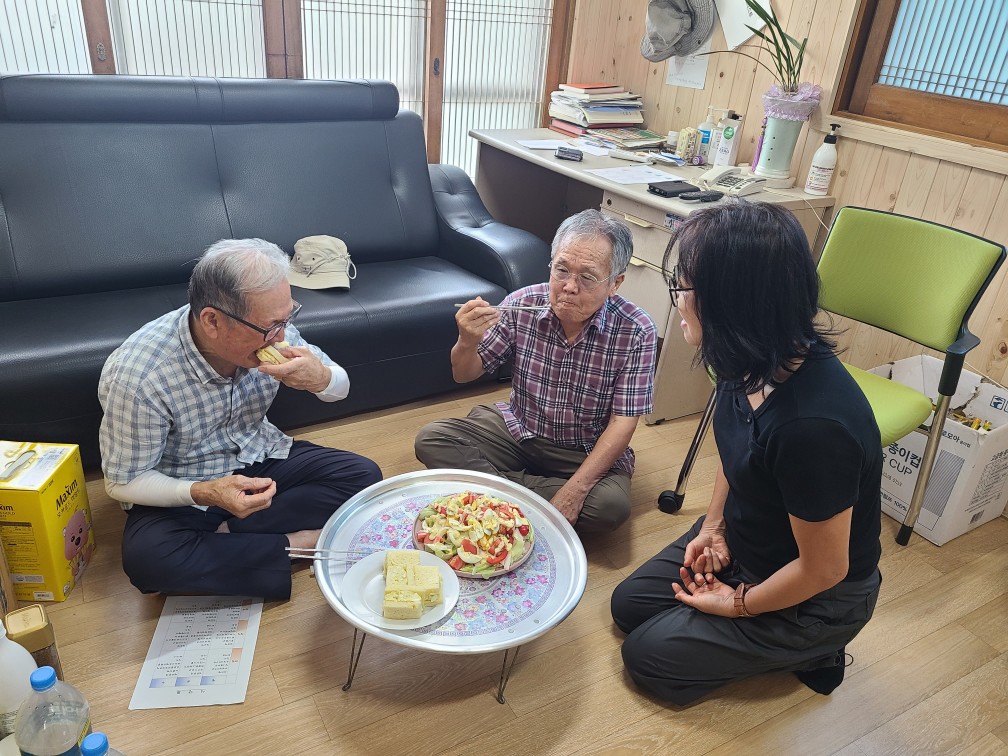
[(45, 519), (969, 481)]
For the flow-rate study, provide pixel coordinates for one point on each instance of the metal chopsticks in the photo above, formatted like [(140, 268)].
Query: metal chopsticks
[(304, 553), (515, 307)]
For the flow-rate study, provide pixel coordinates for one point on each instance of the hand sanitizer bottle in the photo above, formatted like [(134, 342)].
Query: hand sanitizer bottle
[(823, 162), (706, 130)]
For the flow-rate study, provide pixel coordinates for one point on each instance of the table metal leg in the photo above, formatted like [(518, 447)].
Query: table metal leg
[(506, 671), (355, 652)]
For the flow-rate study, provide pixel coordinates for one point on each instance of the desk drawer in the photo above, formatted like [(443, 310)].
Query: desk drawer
[(646, 288), (649, 241)]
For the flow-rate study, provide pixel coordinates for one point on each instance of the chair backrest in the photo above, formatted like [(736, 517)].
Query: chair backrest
[(918, 279)]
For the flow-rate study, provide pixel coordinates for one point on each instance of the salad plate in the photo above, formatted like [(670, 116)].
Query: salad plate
[(477, 534), (364, 592)]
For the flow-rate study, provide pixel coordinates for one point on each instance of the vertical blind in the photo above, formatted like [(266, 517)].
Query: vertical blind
[(188, 37), (367, 39), (38, 37), (494, 70), (950, 47)]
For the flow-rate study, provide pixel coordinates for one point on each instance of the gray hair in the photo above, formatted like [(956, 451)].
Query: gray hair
[(231, 269), (593, 224)]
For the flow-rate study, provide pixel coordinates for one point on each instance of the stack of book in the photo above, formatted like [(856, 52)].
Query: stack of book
[(604, 111)]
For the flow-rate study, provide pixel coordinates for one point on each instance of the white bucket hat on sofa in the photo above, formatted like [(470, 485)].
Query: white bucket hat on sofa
[(321, 262)]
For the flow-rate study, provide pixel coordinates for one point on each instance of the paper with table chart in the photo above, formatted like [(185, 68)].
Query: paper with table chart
[(201, 653), (635, 174)]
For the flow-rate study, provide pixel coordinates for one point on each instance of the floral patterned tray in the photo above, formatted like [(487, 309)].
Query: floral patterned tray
[(490, 615)]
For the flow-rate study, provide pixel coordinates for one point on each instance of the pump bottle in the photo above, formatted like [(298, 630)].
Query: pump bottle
[(823, 163), (706, 130)]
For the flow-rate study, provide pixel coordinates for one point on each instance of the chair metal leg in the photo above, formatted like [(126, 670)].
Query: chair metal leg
[(355, 652), (671, 502), (505, 674), (927, 462)]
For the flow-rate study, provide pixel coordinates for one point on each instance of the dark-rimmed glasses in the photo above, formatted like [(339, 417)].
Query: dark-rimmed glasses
[(674, 289), (586, 281), (273, 331)]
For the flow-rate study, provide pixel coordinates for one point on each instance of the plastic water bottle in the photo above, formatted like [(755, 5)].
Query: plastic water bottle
[(16, 666), (54, 719), (96, 744)]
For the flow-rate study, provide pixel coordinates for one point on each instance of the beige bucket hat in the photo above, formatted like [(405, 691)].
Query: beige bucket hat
[(321, 262)]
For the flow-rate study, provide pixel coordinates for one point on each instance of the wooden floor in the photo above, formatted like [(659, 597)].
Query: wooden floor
[(930, 672)]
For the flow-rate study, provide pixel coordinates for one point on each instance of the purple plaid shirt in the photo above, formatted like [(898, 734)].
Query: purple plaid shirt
[(566, 393)]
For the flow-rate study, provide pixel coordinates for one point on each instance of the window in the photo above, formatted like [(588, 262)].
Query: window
[(938, 67)]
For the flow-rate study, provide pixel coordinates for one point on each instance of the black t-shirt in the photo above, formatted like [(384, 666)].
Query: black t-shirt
[(811, 450)]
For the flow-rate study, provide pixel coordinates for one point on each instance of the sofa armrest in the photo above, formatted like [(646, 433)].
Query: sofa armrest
[(472, 239)]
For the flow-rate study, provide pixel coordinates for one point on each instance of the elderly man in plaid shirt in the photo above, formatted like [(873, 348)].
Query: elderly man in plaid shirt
[(583, 374), (214, 492)]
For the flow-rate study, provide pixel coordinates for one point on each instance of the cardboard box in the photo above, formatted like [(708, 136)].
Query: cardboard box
[(969, 481), (45, 519)]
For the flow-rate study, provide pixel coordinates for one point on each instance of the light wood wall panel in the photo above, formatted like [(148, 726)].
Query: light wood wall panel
[(605, 46)]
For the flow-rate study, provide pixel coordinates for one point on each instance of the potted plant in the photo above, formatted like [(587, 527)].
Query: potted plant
[(789, 102)]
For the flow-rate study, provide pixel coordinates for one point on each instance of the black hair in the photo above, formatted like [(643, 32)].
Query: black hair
[(755, 289)]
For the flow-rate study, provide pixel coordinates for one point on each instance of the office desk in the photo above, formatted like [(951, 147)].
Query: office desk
[(535, 191)]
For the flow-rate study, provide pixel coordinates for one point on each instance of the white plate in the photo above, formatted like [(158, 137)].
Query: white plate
[(364, 592)]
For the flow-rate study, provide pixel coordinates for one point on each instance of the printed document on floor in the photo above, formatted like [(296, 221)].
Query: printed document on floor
[(201, 653)]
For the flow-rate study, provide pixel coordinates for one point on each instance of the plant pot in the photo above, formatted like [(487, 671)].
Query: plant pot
[(778, 147)]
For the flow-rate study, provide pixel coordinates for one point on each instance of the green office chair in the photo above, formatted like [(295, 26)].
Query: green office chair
[(919, 280)]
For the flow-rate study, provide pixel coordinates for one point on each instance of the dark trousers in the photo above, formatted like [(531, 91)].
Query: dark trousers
[(679, 653), (177, 549), (482, 442)]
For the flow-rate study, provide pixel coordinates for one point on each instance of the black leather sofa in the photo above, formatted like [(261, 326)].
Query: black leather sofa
[(112, 186)]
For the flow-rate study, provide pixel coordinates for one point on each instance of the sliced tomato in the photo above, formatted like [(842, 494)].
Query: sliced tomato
[(496, 546), (469, 499), (422, 536), (469, 546), (456, 562), (442, 510), (523, 529), (498, 558)]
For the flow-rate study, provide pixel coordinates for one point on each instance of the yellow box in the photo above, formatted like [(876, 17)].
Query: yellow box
[(45, 519)]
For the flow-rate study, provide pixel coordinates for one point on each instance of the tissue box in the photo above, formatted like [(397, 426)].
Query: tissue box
[(969, 481), (45, 518)]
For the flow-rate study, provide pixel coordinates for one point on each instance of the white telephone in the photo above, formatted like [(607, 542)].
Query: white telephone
[(730, 180)]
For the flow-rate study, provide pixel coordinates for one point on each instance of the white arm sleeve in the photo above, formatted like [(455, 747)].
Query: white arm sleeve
[(152, 489), (339, 385)]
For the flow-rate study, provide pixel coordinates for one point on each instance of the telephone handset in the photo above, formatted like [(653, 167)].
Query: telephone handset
[(729, 179)]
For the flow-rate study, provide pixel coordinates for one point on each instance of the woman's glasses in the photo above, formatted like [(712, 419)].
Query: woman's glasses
[(674, 289)]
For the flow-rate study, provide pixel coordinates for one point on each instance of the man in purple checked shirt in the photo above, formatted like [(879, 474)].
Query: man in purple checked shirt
[(584, 361)]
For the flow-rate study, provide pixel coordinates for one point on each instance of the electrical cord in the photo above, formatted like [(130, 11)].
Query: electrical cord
[(818, 217)]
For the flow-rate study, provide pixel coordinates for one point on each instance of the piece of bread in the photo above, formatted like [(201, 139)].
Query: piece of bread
[(271, 355), (400, 604), (400, 557), (426, 580)]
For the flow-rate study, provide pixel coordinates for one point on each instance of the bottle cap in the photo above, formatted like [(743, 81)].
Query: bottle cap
[(94, 744), (30, 627), (43, 678)]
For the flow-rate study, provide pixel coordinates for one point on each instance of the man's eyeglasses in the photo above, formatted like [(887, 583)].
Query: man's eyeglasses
[(674, 289), (586, 281), (274, 330)]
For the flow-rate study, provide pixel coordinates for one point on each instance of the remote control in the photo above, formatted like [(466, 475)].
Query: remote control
[(707, 196), (568, 153), (636, 157)]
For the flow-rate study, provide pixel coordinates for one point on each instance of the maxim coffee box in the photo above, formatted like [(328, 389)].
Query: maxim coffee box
[(969, 481), (45, 519)]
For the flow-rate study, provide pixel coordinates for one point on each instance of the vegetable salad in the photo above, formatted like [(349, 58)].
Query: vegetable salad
[(475, 533)]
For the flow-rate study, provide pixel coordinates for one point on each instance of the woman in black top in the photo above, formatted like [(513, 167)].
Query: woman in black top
[(783, 570)]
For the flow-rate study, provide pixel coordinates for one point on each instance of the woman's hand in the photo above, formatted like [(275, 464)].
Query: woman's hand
[(708, 553), (706, 593)]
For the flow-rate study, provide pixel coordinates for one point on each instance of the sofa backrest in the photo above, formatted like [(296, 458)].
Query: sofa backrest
[(110, 182)]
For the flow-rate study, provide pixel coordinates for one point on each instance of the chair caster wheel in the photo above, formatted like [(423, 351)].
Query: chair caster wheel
[(670, 502)]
